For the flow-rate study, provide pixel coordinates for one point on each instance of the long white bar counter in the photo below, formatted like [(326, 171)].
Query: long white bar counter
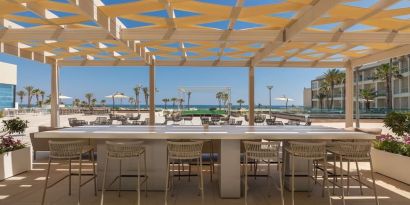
[(230, 137), (199, 132)]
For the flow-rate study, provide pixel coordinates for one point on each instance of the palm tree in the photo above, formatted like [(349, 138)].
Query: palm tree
[(42, 93), (387, 72), (29, 90), (225, 98), (21, 95), (137, 91), (89, 96), (325, 89), (180, 102), (102, 102), (174, 100), (368, 95), (321, 96), (131, 100), (342, 80), (189, 98), (77, 102), (219, 98), (240, 102), (146, 95), (332, 77), (93, 102), (36, 93), (165, 100)]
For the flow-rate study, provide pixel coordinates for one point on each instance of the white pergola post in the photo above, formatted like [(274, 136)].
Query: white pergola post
[(251, 95), (54, 101), (349, 95), (152, 93)]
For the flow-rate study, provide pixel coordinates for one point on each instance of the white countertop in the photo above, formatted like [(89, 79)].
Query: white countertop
[(198, 132)]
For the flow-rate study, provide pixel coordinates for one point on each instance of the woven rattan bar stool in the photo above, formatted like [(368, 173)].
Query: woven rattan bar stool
[(70, 150), (263, 151), (188, 151), (354, 152), (121, 151), (314, 151)]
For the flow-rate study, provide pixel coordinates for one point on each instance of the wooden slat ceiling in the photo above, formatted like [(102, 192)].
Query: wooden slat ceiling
[(301, 33)]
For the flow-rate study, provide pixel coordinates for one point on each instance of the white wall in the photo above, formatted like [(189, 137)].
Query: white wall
[(8, 73), (307, 97)]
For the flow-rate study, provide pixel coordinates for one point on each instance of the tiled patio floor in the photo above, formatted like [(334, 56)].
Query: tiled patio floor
[(26, 189)]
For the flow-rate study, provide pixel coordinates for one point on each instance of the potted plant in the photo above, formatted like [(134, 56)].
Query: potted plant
[(14, 155), (391, 156)]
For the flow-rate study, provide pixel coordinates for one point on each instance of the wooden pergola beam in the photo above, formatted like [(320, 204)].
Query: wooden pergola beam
[(264, 64), (382, 55), (317, 10), (99, 34), (110, 25), (18, 50)]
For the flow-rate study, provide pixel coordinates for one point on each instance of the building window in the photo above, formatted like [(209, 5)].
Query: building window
[(7, 93)]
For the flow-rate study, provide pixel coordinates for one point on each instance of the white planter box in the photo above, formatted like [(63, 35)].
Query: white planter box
[(391, 165), (15, 162)]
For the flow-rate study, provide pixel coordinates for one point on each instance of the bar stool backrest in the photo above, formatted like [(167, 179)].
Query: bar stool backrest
[(354, 150), (185, 150), (122, 150), (308, 150), (261, 150), (65, 149)]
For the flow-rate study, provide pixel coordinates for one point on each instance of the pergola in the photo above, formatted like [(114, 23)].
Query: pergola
[(277, 33)]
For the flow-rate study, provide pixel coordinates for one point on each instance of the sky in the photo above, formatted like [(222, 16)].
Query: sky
[(103, 81)]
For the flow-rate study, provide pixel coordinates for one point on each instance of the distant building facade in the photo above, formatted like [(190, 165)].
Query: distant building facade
[(400, 87), (8, 82), (307, 97)]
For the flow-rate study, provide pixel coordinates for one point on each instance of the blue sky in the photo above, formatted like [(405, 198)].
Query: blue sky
[(102, 81)]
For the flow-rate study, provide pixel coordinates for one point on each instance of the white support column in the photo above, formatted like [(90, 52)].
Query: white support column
[(349, 95), (152, 93), (251, 95), (357, 98), (54, 102)]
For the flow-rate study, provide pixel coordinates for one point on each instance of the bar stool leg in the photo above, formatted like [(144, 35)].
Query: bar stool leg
[(348, 177), (293, 179), (246, 180), (46, 182), (119, 183), (326, 181), (374, 182), (94, 174), (103, 183), (145, 174), (167, 184), (334, 173), (138, 181), (315, 164), (281, 183), (309, 182), (341, 180), (79, 178), (202, 179), (359, 177), (69, 177), (268, 179)]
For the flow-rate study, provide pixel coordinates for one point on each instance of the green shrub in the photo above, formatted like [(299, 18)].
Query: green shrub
[(399, 123)]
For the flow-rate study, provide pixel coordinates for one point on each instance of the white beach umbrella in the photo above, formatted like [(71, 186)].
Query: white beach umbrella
[(63, 97), (116, 95), (286, 99)]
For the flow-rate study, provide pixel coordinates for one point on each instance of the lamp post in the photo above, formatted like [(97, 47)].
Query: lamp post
[(270, 100)]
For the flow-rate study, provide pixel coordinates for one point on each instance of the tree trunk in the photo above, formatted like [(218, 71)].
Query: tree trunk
[(388, 87), (331, 95)]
